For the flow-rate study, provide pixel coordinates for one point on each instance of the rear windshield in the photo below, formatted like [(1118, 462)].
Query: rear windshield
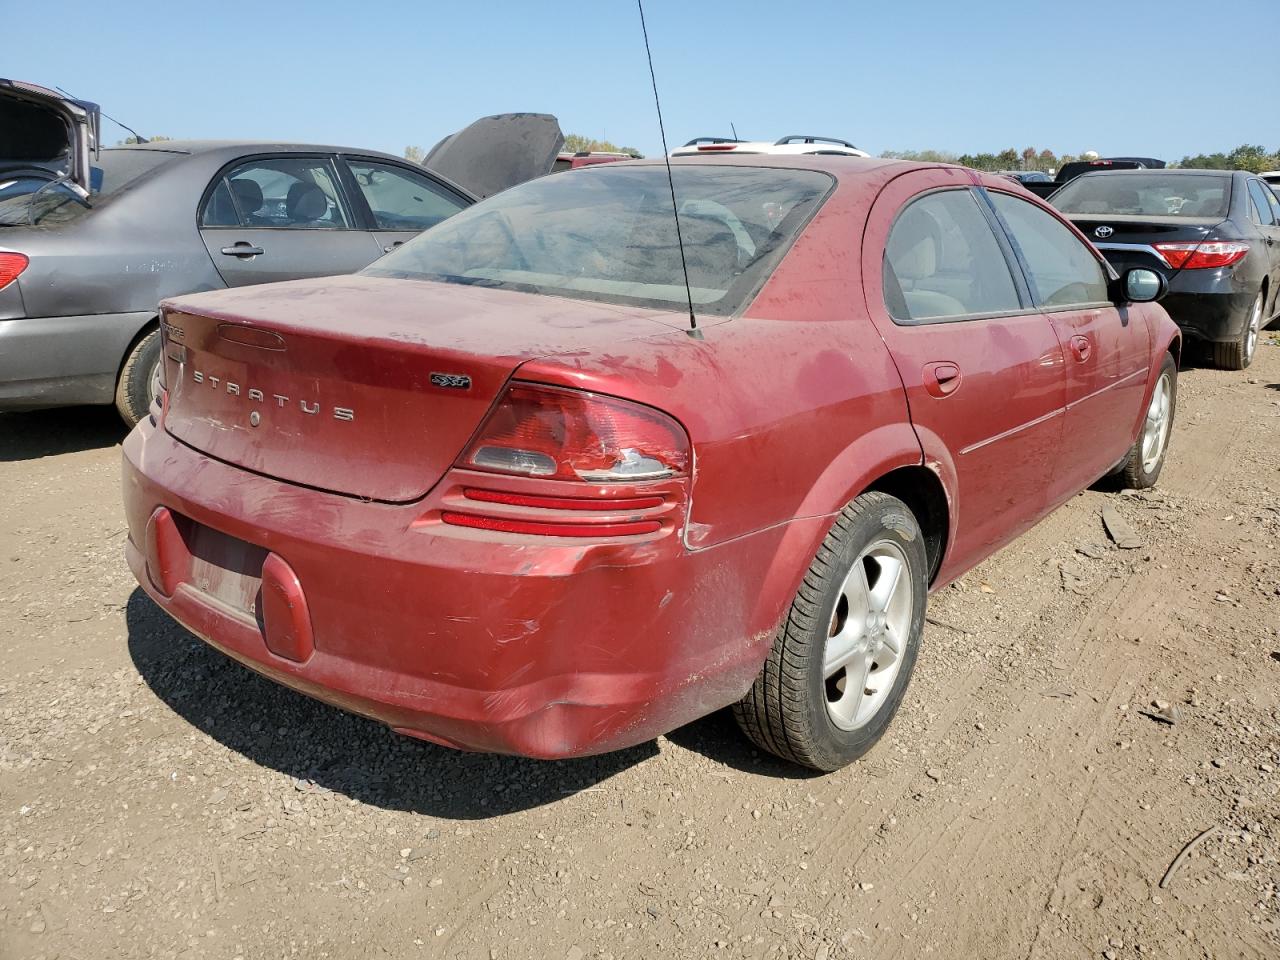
[(1145, 195), (36, 200), (606, 233)]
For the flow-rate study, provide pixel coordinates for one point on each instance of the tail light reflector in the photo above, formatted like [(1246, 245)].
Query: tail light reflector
[(615, 505), (562, 434), (543, 529), (11, 264), (1203, 256)]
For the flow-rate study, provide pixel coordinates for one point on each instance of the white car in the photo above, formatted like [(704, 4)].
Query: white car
[(787, 146), (1273, 178)]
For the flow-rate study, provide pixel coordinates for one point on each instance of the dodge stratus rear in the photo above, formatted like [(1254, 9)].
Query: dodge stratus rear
[(449, 493), (493, 493)]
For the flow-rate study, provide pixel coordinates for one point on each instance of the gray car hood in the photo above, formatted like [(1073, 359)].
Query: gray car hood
[(498, 152), (45, 133)]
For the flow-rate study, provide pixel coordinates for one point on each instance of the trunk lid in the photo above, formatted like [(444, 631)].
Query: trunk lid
[(45, 134), (1128, 241), (498, 152), (365, 386)]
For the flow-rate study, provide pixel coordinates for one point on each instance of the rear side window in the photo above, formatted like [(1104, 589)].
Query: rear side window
[(1262, 199), (290, 192), (942, 260), (400, 199), (1274, 199), (1062, 271)]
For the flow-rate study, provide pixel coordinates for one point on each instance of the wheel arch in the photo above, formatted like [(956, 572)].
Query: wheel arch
[(898, 469), (138, 336), (922, 491)]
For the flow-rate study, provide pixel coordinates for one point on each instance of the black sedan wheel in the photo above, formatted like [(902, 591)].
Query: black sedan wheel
[(1238, 354)]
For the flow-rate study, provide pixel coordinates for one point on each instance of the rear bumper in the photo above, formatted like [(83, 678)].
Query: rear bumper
[(1208, 305), (476, 640), (62, 361)]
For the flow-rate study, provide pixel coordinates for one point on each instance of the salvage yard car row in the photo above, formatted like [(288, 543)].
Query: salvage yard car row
[(610, 450)]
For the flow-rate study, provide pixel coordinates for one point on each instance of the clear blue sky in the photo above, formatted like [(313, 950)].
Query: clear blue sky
[(1162, 79)]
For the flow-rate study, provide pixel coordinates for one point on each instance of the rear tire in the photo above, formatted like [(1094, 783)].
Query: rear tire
[(1141, 468), (862, 597), (1238, 353), (135, 390)]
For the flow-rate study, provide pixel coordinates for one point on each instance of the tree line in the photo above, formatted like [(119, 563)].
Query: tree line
[(1251, 157)]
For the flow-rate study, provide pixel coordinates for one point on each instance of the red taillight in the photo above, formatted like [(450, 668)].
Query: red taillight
[(1203, 256), (561, 434), (541, 528), (11, 264), (718, 146)]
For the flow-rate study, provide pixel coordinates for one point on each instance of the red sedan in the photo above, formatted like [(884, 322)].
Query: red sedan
[(491, 491)]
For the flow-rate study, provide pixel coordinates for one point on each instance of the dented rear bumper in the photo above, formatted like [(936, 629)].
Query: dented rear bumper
[(538, 646)]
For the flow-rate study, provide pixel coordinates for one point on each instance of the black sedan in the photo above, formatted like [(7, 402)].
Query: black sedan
[(1213, 234), (91, 240)]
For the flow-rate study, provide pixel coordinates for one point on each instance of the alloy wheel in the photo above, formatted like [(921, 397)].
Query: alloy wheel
[(153, 384), (1251, 335), (1155, 431), (867, 634)]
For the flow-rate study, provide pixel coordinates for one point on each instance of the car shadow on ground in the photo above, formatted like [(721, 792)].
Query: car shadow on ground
[(718, 738), (328, 749), (47, 433)]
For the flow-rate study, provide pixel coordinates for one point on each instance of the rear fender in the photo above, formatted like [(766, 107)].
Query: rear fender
[(1165, 338), (855, 469)]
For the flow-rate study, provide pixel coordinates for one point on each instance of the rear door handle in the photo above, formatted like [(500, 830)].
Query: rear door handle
[(243, 250), (941, 378), (1081, 348)]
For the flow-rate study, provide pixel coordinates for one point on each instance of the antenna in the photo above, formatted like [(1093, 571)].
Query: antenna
[(666, 157), (734, 129), (136, 135)]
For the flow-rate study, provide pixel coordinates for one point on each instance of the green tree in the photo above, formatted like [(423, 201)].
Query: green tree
[(415, 154), (1251, 157), (577, 143), (923, 156), (129, 140)]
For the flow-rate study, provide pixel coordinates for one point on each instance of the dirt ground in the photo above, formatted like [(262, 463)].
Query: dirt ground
[(159, 800)]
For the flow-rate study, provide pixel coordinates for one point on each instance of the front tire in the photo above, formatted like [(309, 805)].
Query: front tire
[(136, 388), (1146, 457), (843, 657), (1238, 353)]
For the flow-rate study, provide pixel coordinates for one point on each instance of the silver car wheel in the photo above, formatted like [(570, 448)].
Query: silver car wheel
[(867, 634), (1251, 335), (153, 384), (1155, 431)]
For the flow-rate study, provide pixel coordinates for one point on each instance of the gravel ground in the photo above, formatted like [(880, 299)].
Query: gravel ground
[(1080, 713)]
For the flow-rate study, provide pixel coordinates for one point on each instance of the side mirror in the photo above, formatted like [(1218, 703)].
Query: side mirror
[(1144, 286)]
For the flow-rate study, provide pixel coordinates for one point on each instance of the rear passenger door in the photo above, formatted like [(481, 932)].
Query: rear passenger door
[(981, 364), (265, 219), (400, 202), (1267, 216), (1107, 349)]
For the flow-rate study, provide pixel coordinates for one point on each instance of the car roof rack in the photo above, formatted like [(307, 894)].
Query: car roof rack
[(697, 140), (806, 138)]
